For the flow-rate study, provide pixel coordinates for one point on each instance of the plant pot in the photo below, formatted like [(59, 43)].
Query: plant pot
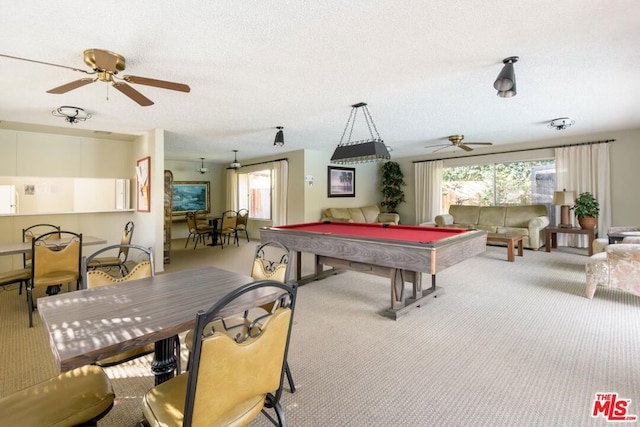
[(588, 222)]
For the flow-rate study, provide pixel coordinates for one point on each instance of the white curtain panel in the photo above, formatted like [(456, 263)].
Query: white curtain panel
[(428, 185), (585, 168), (280, 190), (232, 190)]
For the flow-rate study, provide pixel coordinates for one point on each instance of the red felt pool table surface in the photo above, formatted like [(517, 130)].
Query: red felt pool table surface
[(406, 233), (401, 252)]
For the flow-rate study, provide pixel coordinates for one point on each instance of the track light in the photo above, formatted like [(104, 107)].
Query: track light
[(505, 84), (279, 141)]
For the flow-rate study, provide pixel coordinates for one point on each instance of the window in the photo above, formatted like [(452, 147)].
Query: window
[(515, 183), (254, 193)]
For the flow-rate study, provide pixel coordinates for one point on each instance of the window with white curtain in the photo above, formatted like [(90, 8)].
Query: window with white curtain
[(254, 193)]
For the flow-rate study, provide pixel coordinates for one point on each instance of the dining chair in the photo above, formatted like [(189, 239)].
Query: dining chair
[(120, 260), (228, 226), (271, 262), (55, 262), (196, 231), (142, 259), (242, 219), (30, 233), (79, 397), (232, 379)]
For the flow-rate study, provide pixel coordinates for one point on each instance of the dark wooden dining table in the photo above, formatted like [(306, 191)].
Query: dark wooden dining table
[(93, 324)]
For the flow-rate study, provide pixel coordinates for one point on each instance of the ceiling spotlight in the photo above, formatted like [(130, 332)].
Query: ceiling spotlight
[(505, 84), (202, 169), (279, 141), (561, 123), (235, 164), (71, 114)]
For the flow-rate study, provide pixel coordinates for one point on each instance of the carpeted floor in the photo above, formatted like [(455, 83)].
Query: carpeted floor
[(506, 344)]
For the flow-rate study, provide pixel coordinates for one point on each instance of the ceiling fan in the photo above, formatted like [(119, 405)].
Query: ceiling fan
[(105, 66), (456, 141)]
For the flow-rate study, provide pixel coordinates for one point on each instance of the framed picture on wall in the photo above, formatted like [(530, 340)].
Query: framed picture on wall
[(143, 184), (341, 182), (190, 196)]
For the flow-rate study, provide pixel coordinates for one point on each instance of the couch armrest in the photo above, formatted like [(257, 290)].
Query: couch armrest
[(536, 226), (444, 220), (629, 252), (389, 218)]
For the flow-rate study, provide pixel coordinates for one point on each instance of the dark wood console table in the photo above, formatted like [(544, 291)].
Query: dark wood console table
[(551, 238)]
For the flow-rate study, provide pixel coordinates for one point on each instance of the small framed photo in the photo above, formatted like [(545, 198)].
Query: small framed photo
[(341, 182), (143, 186)]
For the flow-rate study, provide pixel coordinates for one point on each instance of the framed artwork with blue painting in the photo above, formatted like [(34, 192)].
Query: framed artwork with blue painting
[(190, 196)]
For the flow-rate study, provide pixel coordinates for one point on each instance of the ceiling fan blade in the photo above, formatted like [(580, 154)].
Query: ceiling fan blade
[(105, 60), (479, 143), (465, 147), (70, 86), (46, 63), (437, 145), (442, 148), (157, 83), (133, 94)]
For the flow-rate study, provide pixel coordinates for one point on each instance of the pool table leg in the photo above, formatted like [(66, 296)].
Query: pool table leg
[(397, 288)]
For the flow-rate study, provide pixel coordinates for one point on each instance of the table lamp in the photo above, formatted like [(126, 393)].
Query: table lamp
[(564, 199)]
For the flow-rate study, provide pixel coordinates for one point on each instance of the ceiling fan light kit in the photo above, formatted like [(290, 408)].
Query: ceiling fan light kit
[(505, 84), (561, 123), (364, 151), (279, 140), (202, 169), (71, 114)]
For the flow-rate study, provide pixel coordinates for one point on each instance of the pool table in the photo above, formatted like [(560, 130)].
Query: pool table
[(401, 252)]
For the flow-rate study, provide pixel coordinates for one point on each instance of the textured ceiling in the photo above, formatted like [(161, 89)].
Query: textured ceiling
[(426, 70)]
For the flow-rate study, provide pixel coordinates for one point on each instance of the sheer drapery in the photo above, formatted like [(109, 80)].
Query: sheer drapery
[(585, 168), (232, 190), (280, 189), (428, 185)]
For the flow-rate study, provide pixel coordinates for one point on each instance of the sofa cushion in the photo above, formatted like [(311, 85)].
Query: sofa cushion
[(356, 215), (464, 214), (339, 213), (487, 228), (492, 215), (370, 213), (513, 231), (519, 216)]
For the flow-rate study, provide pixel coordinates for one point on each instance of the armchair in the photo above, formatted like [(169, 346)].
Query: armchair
[(617, 267)]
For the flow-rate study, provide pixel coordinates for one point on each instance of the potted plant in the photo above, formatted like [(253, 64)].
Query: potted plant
[(586, 208), (392, 182)]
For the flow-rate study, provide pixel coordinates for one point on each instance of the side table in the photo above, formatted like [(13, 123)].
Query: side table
[(552, 232)]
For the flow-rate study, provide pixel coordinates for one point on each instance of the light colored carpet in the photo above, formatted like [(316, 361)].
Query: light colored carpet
[(506, 344)]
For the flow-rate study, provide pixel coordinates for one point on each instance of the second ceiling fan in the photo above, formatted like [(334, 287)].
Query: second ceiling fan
[(456, 142), (105, 66)]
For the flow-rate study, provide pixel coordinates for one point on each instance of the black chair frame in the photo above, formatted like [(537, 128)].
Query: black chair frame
[(286, 300)]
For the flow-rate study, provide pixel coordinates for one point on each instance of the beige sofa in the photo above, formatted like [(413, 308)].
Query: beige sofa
[(366, 214), (528, 221)]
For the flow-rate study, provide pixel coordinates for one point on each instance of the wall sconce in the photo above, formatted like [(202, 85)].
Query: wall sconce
[(279, 141), (309, 180)]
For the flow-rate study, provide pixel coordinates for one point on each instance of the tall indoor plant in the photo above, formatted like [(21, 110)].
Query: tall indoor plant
[(392, 183), (587, 209)]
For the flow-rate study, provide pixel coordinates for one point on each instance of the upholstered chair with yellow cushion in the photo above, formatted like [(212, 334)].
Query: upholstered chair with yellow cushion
[(617, 267), (242, 220), (54, 263), (228, 227), (30, 233), (144, 267), (231, 379), (75, 398), (197, 231), (118, 261)]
